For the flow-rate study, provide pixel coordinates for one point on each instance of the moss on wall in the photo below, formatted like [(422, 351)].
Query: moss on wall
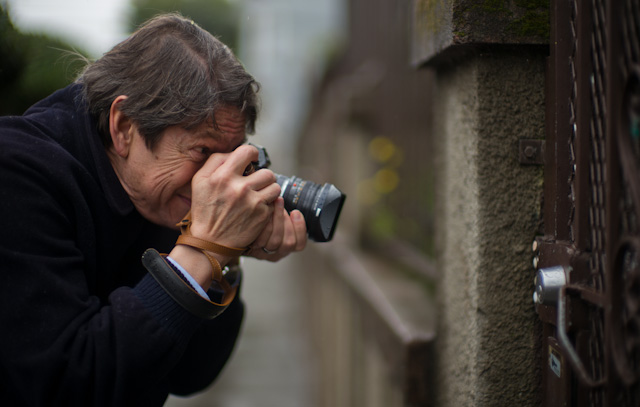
[(441, 24), (502, 21), (534, 23)]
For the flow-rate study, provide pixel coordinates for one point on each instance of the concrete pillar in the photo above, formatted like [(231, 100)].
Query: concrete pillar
[(488, 213)]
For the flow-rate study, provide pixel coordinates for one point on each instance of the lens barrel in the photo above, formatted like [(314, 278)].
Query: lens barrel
[(320, 204)]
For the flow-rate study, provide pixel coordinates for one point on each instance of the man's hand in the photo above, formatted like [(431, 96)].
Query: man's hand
[(286, 233), (234, 210), (227, 207)]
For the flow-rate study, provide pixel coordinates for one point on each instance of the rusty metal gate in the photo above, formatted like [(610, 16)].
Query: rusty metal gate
[(588, 259)]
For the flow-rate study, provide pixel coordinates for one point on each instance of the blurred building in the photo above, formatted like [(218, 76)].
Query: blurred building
[(286, 45)]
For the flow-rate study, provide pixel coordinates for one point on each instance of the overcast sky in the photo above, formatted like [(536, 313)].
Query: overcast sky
[(94, 25)]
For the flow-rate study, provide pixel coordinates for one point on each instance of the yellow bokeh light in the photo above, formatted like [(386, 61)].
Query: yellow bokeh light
[(386, 180), (382, 149)]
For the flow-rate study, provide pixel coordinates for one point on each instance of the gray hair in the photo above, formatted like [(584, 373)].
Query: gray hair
[(173, 73)]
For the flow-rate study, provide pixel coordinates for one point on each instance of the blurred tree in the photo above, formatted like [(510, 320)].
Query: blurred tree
[(219, 17), (31, 66)]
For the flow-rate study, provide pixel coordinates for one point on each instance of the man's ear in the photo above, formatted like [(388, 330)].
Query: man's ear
[(120, 127)]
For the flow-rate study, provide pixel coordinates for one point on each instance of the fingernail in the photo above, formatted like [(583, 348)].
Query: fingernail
[(297, 216)]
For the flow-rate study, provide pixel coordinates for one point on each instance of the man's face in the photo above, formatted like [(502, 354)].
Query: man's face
[(159, 181)]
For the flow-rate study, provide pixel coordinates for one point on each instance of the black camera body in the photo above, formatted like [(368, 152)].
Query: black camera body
[(320, 204)]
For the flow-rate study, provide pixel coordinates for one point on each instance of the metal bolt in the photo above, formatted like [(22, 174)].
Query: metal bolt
[(548, 283), (529, 151)]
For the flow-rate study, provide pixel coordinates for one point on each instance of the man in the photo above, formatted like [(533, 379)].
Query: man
[(150, 137)]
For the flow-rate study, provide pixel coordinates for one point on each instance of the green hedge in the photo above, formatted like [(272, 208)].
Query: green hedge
[(31, 67)]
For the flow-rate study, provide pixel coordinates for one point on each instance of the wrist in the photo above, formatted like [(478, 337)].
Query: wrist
[(196, 263)]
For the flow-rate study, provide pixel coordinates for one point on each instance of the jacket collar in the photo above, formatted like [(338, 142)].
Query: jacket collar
[(115, 194)]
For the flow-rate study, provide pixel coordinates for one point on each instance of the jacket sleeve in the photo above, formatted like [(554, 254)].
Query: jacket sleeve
[(63, 345), (208, 351)]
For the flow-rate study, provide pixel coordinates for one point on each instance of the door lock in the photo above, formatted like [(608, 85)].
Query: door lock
[(548, 283)]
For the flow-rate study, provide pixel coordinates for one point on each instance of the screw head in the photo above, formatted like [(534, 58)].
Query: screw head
[(529, 151)]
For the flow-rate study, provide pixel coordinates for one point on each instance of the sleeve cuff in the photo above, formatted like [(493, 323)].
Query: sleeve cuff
[(185, 275), (180, 290)]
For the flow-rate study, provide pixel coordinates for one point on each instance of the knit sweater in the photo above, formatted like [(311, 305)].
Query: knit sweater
[(82, 322)]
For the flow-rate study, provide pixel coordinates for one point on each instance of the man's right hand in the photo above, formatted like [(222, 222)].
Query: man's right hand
[(228, 207)]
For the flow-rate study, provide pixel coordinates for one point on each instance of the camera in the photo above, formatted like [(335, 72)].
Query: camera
[(320, 204)]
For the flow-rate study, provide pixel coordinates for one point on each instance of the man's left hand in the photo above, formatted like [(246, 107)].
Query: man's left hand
[(286, 233)]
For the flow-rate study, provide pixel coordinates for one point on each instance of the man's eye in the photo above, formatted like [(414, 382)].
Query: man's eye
[(201, 153)]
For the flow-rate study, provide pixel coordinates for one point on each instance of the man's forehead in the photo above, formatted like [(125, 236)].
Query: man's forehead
[(230, 126), (230, 113)]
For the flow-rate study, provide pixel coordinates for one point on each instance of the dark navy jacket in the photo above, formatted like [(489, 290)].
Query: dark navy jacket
[(81, 322)]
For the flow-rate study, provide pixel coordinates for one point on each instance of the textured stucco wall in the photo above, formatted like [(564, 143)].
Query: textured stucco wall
[(488, 214)]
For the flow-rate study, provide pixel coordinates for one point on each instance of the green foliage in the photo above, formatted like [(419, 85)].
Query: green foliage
[(34, 66), (31, 67), (219, 17)]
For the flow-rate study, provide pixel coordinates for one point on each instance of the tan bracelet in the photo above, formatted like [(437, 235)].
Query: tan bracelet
[(216, 274), (209, 246), (196, 243), (206, 246)]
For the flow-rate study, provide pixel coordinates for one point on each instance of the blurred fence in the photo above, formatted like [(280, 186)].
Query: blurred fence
[(370, 290)]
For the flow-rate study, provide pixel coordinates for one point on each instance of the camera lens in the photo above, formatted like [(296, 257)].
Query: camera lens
[(320, 204)]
